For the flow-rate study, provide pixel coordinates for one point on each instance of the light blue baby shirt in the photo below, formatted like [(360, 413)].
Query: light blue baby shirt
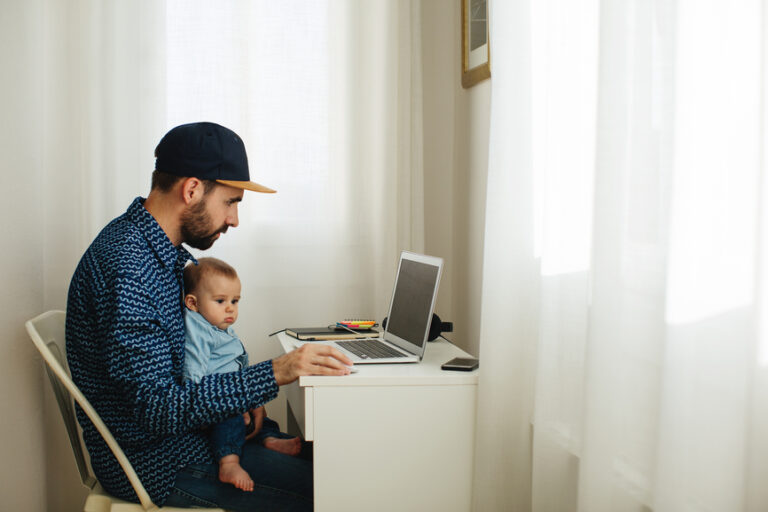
[(209, 349)]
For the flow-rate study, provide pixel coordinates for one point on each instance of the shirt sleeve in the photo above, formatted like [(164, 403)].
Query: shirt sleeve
[(139, 358)]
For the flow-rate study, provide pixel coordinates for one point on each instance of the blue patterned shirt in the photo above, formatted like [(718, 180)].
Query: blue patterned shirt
[(125, 347)]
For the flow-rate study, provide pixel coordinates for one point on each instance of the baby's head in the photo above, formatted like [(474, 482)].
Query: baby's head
[(212, 288)]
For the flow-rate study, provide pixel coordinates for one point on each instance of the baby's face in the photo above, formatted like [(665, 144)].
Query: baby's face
[(217, 300)]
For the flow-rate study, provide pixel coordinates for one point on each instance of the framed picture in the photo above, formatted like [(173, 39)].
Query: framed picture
[(475, 43)]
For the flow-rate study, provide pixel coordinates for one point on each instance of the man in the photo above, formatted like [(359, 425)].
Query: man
[(125, 339)]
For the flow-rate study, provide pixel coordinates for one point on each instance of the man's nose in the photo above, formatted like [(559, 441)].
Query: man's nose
[(232, 220)]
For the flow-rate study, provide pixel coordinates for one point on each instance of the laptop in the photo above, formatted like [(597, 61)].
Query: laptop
[(410, 313)]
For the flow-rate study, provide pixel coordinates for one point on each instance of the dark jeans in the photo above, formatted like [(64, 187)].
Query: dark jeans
[(270, 428), (228, 437), (282, 482)]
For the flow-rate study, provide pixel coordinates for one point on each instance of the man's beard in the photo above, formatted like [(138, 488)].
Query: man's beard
[(196, 228)]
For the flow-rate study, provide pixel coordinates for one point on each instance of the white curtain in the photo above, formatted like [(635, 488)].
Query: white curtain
[(326, 96), (623, 340), (321, 94)]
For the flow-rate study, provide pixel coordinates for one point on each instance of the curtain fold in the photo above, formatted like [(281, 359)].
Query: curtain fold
[(508, 331), (639, 266)]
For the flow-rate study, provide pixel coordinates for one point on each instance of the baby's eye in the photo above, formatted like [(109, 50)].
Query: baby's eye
[(235, 301), (220, 301)]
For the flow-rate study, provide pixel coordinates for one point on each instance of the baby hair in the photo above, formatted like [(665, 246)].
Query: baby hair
[(193, 274)]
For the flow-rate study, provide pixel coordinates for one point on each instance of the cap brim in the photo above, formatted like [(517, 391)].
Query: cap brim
[(247, 185)]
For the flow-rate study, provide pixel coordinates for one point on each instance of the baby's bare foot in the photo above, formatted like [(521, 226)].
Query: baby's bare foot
[(290, 446), (233, 473)]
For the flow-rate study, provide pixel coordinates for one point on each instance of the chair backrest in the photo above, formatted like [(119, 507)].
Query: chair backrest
[(47, 333), (50, 328)]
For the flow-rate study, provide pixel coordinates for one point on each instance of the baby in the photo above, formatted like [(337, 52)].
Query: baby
[(211, 297)]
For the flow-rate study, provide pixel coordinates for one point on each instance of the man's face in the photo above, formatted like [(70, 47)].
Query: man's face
[(203, 222)]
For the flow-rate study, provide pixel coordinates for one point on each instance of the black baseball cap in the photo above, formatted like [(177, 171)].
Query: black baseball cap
[(206, 151)]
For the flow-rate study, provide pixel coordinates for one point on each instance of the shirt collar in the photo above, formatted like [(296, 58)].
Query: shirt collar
[(170, 255), (194, 319)]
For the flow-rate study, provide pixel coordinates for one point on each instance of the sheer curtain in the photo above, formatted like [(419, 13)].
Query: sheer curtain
[(324, 94), (623, 339), (321, 94)]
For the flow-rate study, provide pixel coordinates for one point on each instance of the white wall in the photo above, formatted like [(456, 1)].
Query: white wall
[(456, 123)]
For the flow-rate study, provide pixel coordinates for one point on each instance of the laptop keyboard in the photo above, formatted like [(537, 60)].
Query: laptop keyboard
[(369, 349)]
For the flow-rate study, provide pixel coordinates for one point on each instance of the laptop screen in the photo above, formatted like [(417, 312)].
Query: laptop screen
[(413, 300)]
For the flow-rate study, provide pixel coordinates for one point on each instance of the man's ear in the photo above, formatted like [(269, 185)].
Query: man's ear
[(190, 301), (192, 189)]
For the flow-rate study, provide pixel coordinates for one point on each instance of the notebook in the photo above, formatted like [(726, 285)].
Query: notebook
[(410, 313), (328, 333)]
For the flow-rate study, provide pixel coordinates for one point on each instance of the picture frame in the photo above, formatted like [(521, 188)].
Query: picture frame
[(475, 42)]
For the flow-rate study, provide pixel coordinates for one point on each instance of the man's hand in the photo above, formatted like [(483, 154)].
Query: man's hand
[(310, 360)]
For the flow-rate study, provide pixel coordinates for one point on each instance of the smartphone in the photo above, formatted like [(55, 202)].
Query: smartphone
[(462, 364)]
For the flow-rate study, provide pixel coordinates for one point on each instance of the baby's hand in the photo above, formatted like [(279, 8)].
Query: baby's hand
[(257, 417)]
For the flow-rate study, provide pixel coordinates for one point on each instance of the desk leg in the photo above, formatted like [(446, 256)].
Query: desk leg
[(296, 413), (292, 426)]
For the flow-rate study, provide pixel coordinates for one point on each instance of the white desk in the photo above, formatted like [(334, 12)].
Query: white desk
[(395, 437)]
